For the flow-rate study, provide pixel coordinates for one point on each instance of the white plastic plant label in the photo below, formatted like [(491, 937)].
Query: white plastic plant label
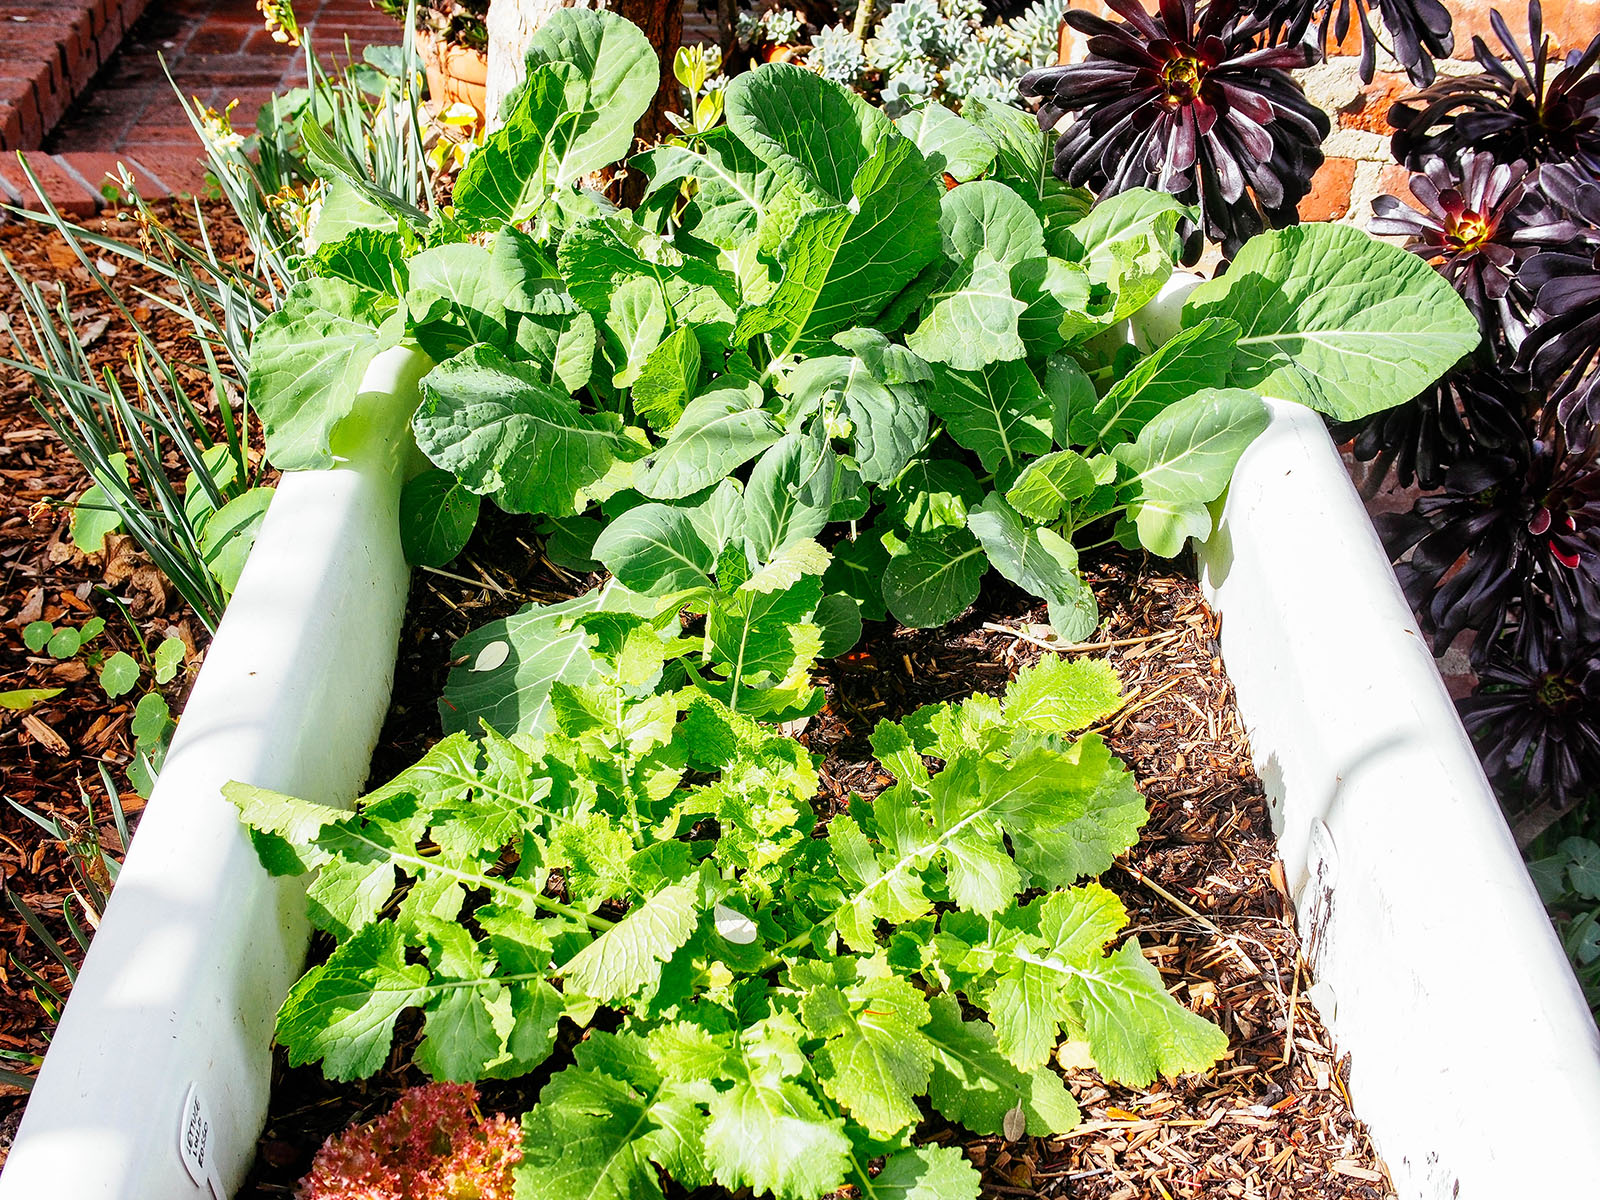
[(195, 1144)]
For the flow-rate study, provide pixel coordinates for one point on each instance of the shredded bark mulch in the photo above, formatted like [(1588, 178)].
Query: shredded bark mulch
[(1203, 887), (50, 755)]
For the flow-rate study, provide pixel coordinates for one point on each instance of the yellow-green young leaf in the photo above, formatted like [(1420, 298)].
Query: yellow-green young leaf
[(1136, 1030), (974, 1085), (1048, 484), (23, 699), (628, 956), (118, 675), (972, 318), (873, 1061), (1061, 695)]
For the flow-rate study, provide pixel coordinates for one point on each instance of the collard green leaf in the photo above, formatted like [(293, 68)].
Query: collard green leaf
[(307, 361), (506, 432), (633, 327), (453, 300), (230, 535), (1033, 557), (847, 266), (510, 689), (857, 571), (437, 516), (669, 379), (790, 494), (972, 318), (736, 194), (1336, 319), (1188, 451), (1025, 161), (590, 76), (655, 549), (1048, 485), (989, 216), (717, 432), (1196, 359), (369, 258), (974, 1085), (1000, 412), (597, 257), (934, 579), (952, 146), (1129, 242)]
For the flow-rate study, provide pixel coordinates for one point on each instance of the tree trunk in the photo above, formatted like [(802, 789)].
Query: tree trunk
[(511, 25)]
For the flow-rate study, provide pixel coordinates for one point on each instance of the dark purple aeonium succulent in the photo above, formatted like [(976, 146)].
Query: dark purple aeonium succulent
[(1536, 714), (1504, 526), (1418, 29), (1472, 410), (1469, 228), (1197, 103), (1563, 352), (1533, 116)]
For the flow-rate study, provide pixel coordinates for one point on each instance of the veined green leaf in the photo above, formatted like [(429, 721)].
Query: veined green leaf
[(972, 318), (934, 579), (973, 1084), (506, 432), (1000, 412), (716, 433), (953, 146), (1336, 319), (655, 549), (1196, 359), (628, 956)]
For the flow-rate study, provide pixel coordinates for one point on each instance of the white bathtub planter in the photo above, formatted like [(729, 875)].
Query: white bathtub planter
[(1435, 966), (156, 1083)]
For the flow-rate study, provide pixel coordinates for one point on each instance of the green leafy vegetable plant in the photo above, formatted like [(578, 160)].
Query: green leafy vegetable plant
[(900, 338), (786, 997)]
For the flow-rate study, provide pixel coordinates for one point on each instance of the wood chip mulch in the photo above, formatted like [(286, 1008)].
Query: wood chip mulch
[(50, 755)]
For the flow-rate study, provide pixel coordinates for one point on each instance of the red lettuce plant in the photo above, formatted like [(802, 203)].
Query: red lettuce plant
[(432, 1145)]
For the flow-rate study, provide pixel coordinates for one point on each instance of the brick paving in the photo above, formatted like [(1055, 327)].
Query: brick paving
[(125, 108)]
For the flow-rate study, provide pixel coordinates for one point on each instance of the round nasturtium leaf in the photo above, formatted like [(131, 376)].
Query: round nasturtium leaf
[(437, 516), (119, 674)]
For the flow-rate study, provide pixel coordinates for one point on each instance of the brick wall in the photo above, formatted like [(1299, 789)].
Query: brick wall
[(1358, 166), (49, 51)]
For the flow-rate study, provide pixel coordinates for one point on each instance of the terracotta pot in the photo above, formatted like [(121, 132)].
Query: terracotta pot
[(455, 73)]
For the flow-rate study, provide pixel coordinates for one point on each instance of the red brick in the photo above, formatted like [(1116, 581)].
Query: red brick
[(1570, 24), (65, 192), (10, 127), (1329, 198), (1371, 111), (1395, 180), (102, 170), (179, 173)]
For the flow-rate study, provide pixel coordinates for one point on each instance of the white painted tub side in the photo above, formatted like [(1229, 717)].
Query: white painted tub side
[(198, 945), (1438, 971)]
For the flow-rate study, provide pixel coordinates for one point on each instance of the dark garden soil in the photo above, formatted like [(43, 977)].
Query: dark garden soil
[(1203, 888)]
